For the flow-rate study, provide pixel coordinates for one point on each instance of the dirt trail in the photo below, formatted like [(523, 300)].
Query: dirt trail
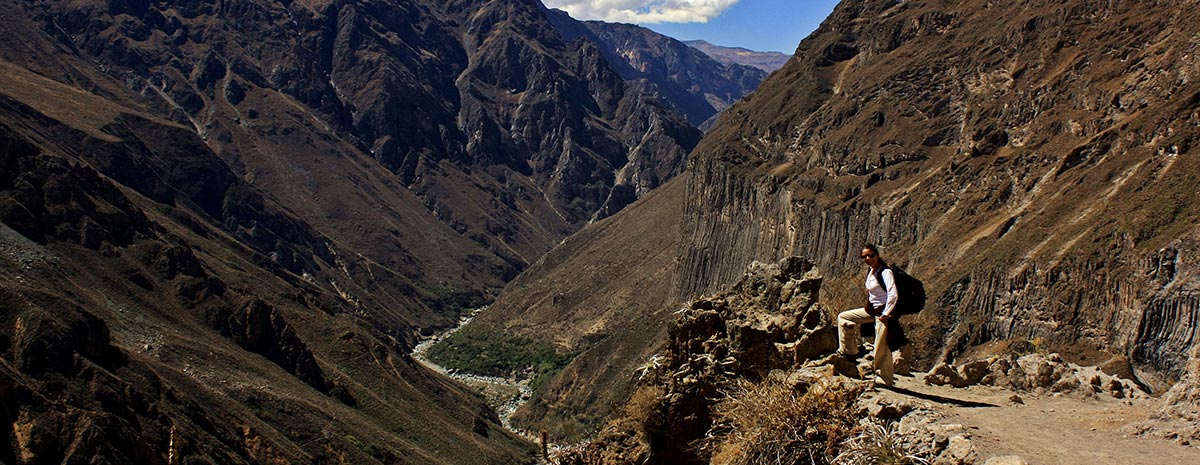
[(1047, 429)]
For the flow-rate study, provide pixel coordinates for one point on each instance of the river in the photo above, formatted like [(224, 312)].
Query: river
[(505, 395)]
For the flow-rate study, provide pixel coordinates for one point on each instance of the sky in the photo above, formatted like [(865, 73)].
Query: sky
[(763, 25)]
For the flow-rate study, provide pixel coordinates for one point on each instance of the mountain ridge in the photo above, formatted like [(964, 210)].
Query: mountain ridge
[(766, 61), (696, 85)]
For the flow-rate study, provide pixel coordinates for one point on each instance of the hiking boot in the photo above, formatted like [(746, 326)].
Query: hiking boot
[(850, 357)]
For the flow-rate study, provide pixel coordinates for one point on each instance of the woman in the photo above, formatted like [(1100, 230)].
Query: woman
[(881, 301)]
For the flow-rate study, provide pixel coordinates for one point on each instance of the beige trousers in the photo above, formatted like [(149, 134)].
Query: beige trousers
[(848, 338)]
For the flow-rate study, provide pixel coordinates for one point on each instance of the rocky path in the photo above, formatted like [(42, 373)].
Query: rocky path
[(1045, 429)]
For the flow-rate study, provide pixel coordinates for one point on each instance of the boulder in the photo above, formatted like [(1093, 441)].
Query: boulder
[(1034, 373)]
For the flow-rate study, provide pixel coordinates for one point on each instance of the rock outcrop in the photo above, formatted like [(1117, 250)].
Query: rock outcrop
[(1035, 373), (770, 319)]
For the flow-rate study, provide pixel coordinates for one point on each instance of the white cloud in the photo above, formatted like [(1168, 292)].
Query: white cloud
[(644, 11)]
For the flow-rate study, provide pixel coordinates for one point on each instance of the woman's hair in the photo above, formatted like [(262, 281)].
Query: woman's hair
[(875, 250)]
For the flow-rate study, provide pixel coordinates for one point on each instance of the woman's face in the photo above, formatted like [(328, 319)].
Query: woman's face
[(870, 258)]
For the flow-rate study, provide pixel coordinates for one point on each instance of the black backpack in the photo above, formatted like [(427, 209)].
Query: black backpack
[(911, 291)]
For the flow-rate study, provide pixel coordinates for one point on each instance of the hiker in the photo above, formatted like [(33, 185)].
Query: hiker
[(880, 306)]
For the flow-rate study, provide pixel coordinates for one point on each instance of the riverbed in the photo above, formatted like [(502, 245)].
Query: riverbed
[(504, 395)]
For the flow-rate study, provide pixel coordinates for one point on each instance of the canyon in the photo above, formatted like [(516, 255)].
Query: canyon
[(226, 225), (1031, 167)]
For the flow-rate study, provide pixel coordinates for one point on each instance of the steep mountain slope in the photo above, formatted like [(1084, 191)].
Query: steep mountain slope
[(145, 289), (1033, 167), (766, 61), (693, 83), (1027, 167), (360, 117), (233, 218), (604, 294)]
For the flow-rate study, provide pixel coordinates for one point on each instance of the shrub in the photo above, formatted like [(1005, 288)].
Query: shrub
[(645, 410), (878, 443), (773, 422)]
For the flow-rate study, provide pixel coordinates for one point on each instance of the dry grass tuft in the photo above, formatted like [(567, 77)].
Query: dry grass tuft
[(773, 422), (878, 443), (645, 408)]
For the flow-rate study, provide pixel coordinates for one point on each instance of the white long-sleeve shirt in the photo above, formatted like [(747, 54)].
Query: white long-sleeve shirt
[(879, 297)]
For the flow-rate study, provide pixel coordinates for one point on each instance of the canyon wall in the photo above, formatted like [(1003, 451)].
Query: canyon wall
[(1031, 161)]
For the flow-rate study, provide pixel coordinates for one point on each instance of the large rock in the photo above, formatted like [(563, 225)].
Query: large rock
[(768, 321), (1035, 373)]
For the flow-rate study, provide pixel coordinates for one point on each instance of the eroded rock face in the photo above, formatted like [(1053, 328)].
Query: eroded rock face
[(227, 184), (127, 313), (469, 126), (47, 421), (47, 199), (1031, 181), (158, 166), (1179, 419), (694, 83), (258, 327)]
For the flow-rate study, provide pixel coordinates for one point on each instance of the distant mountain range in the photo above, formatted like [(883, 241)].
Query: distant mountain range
[(692, 82), (766, 61)]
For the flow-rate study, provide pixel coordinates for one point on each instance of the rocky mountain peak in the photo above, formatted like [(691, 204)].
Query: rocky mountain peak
[(691, 82)]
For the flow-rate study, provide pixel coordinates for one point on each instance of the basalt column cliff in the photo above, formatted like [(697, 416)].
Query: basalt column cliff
[(1033, 161)]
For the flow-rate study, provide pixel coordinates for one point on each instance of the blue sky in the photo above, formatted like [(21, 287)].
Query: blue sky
[(762, 25)]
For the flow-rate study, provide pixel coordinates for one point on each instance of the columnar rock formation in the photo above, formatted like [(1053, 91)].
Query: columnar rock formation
[(1026, 164), (1030, 160)]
